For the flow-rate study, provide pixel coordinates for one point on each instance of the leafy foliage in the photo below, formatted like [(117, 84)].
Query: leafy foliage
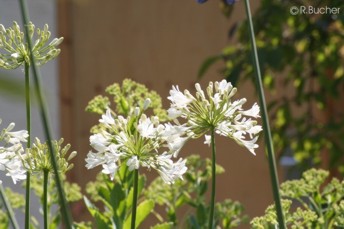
[(72, 190), (116, 200), (16, 200), (321, 206), (297, 219), (191, 192), (125, 97), (301, 59)]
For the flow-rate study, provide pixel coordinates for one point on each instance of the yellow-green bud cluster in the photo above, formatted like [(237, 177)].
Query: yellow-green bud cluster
[(37, 158)]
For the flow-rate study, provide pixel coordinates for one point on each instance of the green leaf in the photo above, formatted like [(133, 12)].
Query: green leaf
[(101, 220), (163, 226), (201, 214), (202, 188), (116, 197), (206, 64), (143, 210), (141, 183)]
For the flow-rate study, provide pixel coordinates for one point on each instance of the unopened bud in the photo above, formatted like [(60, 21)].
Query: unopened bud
[(72, 155), (233, 91), (146, 104), (2, 28), (56, 41), (137, 111)]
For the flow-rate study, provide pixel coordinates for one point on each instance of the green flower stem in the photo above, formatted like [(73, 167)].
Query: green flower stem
[(36, 76), (172, 212), (8, 208), (265, 119), (28, 145), (45, 198), (213, 180), (133, 208)]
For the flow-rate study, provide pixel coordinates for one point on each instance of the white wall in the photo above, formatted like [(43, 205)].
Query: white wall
[(12, 108)]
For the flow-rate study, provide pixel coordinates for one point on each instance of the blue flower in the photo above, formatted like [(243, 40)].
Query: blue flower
[(230, 2), (201, 1)]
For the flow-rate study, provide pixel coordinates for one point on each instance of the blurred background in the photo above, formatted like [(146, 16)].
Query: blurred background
[(165, 43), (12, 84)]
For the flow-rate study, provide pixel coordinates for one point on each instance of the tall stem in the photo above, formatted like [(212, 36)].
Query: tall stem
[(8, 208), (133, 209), (65, 212), (45, 198), (28, 145), (213, 180), (266, 126)]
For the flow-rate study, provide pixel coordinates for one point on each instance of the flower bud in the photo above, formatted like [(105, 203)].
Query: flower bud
[(56, 41), (2, 29), (146, 104), (72, 155), (137, 111)]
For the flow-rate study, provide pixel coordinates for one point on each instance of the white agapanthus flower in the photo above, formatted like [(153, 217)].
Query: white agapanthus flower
[(216, 110), (138, 141), (11, 150), (168, 170)]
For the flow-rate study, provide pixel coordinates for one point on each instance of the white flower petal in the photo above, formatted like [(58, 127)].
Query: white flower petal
[(133, 163), (178, 99), (170, 171), (146, 127), (99, 141), (110, 169), (107, 118), (253, 112), (207, 140)]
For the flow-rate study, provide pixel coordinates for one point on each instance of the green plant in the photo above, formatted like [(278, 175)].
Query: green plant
[(116, 197), (125, 96), (133, 140), (190, 193), (301, 61), (320, 204)]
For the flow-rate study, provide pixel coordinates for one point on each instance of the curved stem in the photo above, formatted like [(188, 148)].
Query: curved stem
[(28, 145), (133, 208), (213, 180), (8, 208), (45, 198), (265, 119), (65, 211)]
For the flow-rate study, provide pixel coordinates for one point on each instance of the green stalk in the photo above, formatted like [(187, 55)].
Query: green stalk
[(45, 198), (28, 144), (133, 208), (8, 208), (36, 76), (213, 180), (265, 119)]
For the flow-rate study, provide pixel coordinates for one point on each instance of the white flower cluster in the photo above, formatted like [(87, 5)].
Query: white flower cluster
[(139, 141), (14, 50), (216, 111), (10, 152)]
